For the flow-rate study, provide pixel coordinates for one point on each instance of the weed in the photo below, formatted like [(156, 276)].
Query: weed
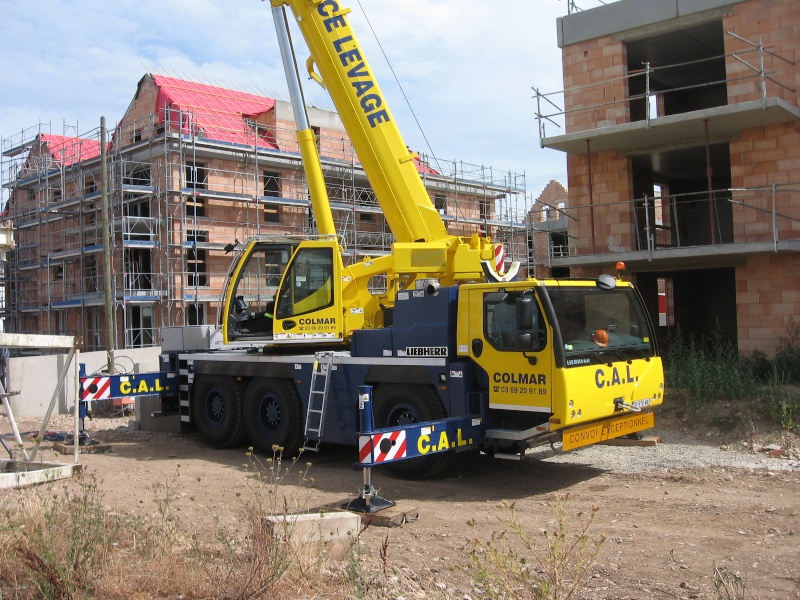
[(787, 356), (706, 374), (729, 585), (62, 540), (708, 370), (512, 564), (267, 557), (783, 407)]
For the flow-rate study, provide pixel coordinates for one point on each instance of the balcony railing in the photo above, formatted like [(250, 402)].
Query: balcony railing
[(759, 217), (641, 99)]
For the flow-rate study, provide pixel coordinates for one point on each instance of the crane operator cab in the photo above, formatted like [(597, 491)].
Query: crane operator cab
[(283, 290), (257, 272)]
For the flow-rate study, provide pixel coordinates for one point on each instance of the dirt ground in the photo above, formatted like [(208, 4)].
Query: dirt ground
[(666, 529)]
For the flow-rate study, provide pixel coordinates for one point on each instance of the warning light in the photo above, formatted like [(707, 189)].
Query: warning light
[(620, 269), (600, 337)]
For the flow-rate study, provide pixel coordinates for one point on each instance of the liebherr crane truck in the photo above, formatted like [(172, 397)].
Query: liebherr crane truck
[(459, 356)]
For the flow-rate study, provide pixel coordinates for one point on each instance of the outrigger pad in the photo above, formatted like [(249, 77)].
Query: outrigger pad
[(83, 440), (360, 504)]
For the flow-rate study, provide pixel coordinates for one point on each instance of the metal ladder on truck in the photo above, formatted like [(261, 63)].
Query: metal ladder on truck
[(318, 400)]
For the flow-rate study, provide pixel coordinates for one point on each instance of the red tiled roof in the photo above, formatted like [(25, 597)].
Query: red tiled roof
[(219, 113), (70, 150), (212, 112), (424, 167)]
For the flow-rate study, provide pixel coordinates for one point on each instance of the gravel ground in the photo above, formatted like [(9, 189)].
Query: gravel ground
[(675, 451)]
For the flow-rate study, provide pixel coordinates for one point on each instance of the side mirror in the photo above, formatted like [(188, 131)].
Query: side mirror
[(525, 318), (532, 341)]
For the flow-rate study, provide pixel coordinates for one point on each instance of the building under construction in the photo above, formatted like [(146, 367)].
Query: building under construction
[(191, 168), (682, 135)]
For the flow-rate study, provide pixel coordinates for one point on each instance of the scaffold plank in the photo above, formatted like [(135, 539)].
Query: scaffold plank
[(30, 340)]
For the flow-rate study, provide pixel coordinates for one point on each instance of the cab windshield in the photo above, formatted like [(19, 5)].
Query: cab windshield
[(601, 325)]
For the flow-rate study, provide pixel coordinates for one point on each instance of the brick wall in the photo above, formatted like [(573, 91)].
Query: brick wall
[(766, 301), (593, 76), (610, 207), (777, 24), (544, 209)]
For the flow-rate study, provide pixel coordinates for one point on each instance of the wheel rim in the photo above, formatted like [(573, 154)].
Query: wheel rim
[(215, 407), (402, 414), (271, 413)]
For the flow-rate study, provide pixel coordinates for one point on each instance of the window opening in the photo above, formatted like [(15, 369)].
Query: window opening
[(272, 189), (195, 314), (196, 258)]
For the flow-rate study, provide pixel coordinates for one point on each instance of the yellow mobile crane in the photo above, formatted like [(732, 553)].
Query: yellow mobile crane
[(458, 356)]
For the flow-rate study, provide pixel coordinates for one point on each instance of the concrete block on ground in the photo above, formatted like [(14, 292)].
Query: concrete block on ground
[(315, 536)]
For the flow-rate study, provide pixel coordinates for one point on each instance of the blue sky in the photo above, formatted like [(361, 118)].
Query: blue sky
[(466, 67)]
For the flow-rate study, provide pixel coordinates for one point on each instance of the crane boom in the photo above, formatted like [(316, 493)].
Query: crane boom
[(354, 90), (305, 135)]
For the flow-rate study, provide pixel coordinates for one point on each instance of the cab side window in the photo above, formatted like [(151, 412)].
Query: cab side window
[(503, 328), (308, 286), (254, 291)]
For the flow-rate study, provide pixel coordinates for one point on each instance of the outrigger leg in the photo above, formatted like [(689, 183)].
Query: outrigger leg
[(368, 500)]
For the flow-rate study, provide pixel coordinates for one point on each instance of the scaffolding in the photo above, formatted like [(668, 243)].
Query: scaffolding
[(177, 197)]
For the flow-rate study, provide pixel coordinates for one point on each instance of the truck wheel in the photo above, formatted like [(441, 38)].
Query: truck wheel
[(397, 404), (274, 416), (218, 411)]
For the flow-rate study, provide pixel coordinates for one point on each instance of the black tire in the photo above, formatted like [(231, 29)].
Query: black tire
[(218, 411), (274, 416), (397, 404)]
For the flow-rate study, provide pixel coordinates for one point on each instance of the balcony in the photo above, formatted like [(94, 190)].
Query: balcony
[(721, 226), (673, 95)]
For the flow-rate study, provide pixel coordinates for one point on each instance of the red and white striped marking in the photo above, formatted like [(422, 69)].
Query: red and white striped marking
[(100, 385), (395, 445), (499, 258)]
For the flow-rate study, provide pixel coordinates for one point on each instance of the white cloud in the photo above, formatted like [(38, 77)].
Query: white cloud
[(467, 68)]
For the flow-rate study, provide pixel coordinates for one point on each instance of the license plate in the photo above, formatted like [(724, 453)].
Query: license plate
[(641, 403), (606, 430)]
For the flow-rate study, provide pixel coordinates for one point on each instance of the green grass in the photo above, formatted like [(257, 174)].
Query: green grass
[(719, 386)]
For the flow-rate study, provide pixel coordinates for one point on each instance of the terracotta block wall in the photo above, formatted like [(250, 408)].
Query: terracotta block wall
[(760, 157), (777, 24), (286, 135), (611, 208), (553, 194), (595, 63), (766, 300), (764, 155), (139, 116)]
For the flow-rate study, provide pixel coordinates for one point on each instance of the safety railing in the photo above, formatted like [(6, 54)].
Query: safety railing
[(641, 100), (727, 216)]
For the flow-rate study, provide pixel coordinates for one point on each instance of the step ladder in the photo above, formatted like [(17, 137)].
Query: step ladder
[(318, 400)]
